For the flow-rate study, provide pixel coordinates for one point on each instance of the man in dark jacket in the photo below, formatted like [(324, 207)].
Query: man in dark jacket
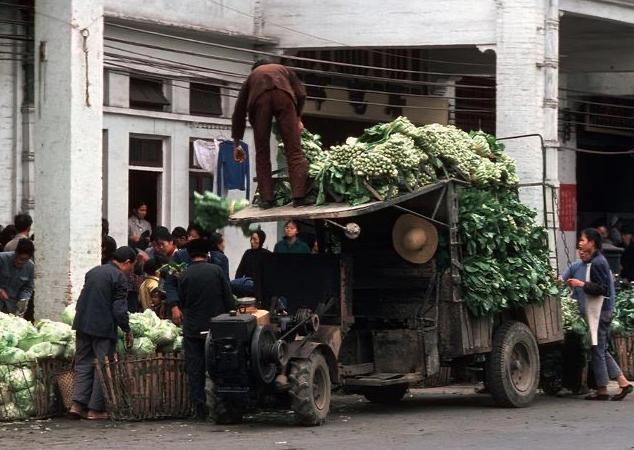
[(204, 293), (101, 308), (272, 90)]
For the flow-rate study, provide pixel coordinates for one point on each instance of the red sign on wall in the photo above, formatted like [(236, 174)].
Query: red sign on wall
[(568, 207)]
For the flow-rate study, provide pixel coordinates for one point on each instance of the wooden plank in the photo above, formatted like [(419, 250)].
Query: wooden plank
[(327, 211), (352, 370)]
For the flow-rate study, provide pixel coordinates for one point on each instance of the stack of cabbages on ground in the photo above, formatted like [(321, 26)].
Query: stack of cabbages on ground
[(23, 344), (398, 157), (151, 334)]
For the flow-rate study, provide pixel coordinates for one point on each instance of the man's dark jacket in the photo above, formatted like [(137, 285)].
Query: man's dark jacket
[(103, 303), (266, 78), (204, 293)]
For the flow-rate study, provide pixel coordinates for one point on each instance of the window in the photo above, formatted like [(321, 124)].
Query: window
[(199, 180), (147, 94), (204, 100), (146, 152)]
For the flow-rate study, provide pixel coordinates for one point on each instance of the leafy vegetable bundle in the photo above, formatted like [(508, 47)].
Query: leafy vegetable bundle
[(22, 344), (505, 254), (397, 157), (212, 211), (623, 320)]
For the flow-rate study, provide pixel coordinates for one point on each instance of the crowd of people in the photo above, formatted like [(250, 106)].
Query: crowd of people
[(182, 275)]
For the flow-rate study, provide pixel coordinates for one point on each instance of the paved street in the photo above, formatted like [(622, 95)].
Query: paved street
[(447, 418)]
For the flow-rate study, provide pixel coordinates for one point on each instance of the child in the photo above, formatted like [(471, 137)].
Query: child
[(149, 291)]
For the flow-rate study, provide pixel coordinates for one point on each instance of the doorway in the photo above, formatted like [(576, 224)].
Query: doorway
[(145, 186)]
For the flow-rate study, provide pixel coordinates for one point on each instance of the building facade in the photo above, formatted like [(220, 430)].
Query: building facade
[(103, 99)]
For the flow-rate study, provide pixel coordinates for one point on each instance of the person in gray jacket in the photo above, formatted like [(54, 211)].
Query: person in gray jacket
[(101, 308), (16, 278)]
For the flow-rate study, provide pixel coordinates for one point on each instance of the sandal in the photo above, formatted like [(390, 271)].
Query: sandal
[(601, 397), (624, 391)]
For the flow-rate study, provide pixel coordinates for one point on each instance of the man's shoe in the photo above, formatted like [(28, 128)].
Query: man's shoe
[(97, 415), (77, 411), (265, 205), (303, 201)]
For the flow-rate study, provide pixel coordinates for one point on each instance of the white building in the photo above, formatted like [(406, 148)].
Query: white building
[(102, 98)]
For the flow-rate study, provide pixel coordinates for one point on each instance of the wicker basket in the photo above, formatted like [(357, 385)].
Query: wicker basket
[(623, 347), (42, 397), (442, 378), (153, 387), (65, 380)]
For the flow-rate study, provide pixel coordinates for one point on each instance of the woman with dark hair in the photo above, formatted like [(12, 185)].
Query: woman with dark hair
[(249, 269), (139, 229), (598, 289), (291, 243), (7, 234), (217, 253)]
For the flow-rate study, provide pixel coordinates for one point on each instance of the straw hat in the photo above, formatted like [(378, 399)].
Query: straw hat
[(414, 239)]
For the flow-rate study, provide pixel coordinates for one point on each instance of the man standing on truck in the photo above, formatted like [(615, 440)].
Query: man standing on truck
[(204, 292), (272, 90)]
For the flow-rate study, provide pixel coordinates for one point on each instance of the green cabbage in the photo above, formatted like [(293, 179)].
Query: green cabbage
[(173, 347), (5, 394), (4, 370), (11, 411), (24, 401), (164, 333), (142, 323), (69, 351), (20, 378), (12, 355), (68, 316), (7, 339), (142, 346), (50, 331), (45, 350)]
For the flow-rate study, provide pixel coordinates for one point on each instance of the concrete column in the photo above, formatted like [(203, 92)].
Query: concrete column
[(68, 153), (521, 89)]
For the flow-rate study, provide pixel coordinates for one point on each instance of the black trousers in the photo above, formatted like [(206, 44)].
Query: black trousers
[(195, 368), (87, 389)]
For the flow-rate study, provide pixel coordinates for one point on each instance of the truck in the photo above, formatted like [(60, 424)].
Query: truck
[(373, 313)]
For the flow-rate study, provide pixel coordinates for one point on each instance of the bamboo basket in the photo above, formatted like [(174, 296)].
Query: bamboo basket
[(43, 395), (623, 347), (442, 378), (140, 388)]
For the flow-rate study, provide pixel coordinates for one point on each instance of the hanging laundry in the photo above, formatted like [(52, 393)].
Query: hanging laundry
[(232, 174), (206, 155)]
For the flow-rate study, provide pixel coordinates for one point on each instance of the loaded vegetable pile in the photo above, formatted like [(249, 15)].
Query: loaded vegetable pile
[(623, 320), (505, 254), (397, 157), (23, 344)]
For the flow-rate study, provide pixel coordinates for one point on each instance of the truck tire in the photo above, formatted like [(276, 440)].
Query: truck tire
[(310, 390), (386, 395), (512, 370)]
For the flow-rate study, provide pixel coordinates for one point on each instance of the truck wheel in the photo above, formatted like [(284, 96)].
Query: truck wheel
[(513, 366), (386, 395), (310, 390)]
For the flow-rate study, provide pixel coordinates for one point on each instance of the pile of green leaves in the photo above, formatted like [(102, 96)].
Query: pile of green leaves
[(212, 212), (572, 320), (623, 320), (398, 157), (505, 253)]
